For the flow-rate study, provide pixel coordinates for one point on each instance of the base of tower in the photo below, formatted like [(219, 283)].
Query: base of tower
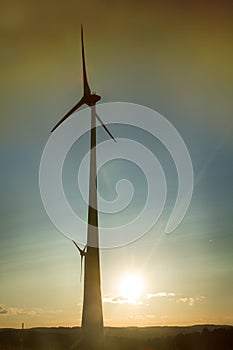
[(89, 343)]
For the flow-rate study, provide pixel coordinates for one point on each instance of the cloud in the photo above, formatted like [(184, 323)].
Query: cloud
[(14, 311), (190, 300), (119, 299), (3, 310), (39, 311), (160, 294), (169, 296)]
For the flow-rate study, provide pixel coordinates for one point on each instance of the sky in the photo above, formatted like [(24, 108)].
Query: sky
[(172, 56)]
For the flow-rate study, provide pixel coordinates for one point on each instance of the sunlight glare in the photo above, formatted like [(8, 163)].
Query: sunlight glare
[(132, 287)]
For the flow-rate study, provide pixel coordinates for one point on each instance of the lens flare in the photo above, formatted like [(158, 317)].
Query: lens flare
[(132, 287)]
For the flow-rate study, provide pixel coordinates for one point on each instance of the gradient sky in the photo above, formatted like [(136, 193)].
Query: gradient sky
[(172, 56)]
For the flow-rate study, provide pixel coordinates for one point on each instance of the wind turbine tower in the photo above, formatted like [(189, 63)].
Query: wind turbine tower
[(92, 314)]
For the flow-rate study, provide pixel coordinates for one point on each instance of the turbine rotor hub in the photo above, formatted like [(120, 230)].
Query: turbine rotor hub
[(92, 99)]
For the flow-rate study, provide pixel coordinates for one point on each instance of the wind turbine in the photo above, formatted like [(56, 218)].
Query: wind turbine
[(83, 253), (92, 314), (88, 98)]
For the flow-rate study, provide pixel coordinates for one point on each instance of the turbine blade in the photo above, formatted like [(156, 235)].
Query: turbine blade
[(82, 255), (105, 127), (86, 88), (79, 104), (79, 249), (81, 268)]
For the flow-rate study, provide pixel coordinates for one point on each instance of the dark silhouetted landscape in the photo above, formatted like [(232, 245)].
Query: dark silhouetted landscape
[(199, 337)]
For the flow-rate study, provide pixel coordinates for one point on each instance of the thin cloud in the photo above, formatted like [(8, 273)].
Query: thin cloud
[(14, 311), (191, 300), (169, 296), (159, 295), (3, 310), (119, 299)]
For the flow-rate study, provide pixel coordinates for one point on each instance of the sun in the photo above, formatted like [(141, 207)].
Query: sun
[(131, 287)]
